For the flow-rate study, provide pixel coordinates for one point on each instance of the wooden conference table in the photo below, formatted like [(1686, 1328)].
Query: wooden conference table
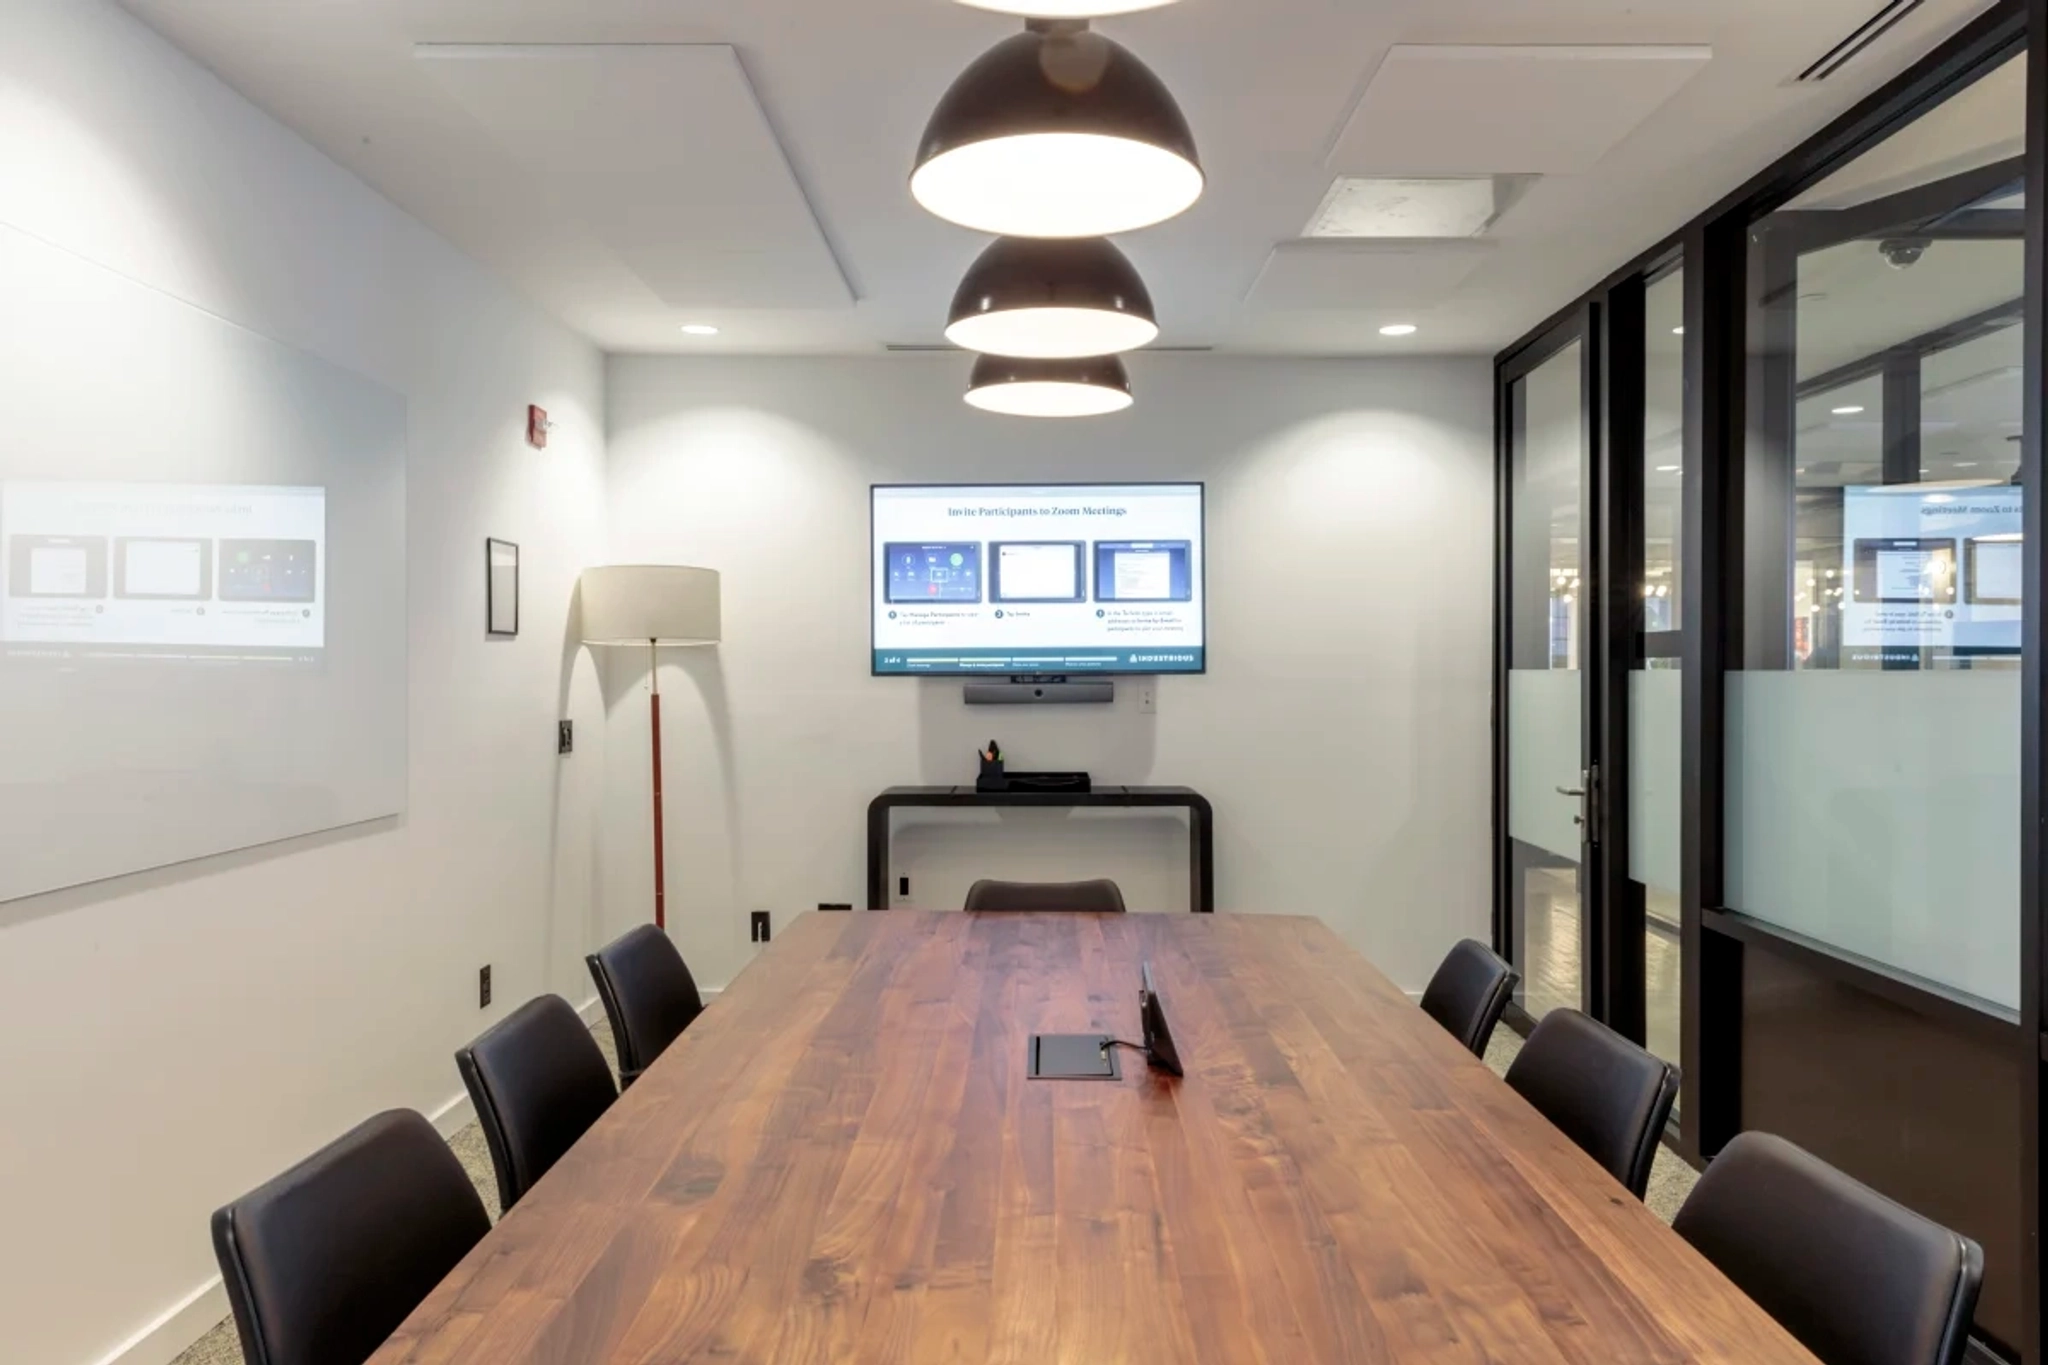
[(843, 1161)]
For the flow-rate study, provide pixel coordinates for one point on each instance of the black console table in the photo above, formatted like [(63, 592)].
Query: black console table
[(1201, 826)]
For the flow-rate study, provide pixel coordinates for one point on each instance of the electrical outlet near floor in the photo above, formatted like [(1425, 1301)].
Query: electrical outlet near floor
[(760, 928), (483, 987)]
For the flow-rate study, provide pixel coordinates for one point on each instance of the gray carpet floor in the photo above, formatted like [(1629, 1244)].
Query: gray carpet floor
[(1670, 1181)]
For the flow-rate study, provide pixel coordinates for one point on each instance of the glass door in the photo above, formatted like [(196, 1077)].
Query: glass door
[(1550, 778)]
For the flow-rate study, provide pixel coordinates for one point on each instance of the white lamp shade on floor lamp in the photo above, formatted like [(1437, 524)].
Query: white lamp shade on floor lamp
[(663, 604), (652, 605)]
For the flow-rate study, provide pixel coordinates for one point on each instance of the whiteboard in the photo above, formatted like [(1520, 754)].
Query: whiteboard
[(202, 582)]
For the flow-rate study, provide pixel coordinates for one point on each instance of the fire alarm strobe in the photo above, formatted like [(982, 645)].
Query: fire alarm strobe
[(537, 427)]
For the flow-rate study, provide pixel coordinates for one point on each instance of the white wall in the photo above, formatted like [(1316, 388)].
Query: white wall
[(1342, 731), (170, 1039)]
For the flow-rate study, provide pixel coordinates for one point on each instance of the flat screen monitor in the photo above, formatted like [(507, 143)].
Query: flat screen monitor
[(1037, 579)]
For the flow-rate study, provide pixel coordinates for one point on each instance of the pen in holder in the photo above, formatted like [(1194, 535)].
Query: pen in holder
[(992, 778)]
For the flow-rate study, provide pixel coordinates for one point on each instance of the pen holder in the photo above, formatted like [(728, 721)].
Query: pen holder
[(992, 778)]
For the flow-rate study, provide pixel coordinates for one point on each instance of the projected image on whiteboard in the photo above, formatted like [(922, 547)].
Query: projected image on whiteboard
[(163, 569)]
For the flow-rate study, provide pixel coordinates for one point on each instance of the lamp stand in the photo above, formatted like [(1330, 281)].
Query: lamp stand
[(654, 713)]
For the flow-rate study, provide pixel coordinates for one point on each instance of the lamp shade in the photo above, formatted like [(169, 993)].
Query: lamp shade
[(1029, 296), (639, 604), (1090, 387), (1057, 132)]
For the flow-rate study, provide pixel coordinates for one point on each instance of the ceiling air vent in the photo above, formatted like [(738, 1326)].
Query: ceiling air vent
[(1859, 41)]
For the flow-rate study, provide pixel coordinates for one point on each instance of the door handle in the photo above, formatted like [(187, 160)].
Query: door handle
[(1588, 798)]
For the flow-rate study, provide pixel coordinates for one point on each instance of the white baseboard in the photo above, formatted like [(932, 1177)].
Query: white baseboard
[(164, 1340), (193, 1316)]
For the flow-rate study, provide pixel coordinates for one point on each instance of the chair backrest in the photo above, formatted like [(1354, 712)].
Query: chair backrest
[(324, 1262), (538, 1082), (1097, 897), (1469, 993), (648, 994), (1599, 1089), (1858, 1279)]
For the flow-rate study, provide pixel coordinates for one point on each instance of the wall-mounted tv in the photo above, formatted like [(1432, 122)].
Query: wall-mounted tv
[(1037, 579)]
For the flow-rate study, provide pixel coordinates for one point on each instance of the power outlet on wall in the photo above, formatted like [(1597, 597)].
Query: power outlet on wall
[(483, 987), (565, 737), (759, 927), (1148, 697)]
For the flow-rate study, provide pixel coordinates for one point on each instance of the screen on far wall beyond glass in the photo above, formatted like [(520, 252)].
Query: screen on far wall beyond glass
[(1931, 568), (1038, 579)]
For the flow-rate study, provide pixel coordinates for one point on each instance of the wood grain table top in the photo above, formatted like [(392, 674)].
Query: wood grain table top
[(843, 1161)]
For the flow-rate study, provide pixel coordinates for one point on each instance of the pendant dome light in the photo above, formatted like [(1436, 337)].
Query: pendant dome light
[(1088, 387), (1066, 9), (1057, 132), (1049, 299)]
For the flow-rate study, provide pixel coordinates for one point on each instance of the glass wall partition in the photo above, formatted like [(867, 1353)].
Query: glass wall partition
[(1873, 843), (1769, 565), (1873, 732)]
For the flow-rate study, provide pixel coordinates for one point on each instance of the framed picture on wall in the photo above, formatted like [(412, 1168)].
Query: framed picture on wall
[(501, 587)]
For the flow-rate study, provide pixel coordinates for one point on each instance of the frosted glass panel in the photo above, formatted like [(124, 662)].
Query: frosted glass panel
[(1543, 755), (1653, 795), (1879, 813)]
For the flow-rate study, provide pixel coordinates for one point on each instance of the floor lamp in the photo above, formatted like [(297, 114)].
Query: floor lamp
[(651, 605)]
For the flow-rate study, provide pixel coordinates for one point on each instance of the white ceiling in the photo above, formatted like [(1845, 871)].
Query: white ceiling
[(753, 174)]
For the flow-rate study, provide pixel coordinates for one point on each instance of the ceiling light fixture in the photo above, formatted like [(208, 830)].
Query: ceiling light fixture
[(1851, 411), (1057, 132), (1052, 299), (1678, 331), (1398, 329), (699, 329), (1089, 387), (1066, 9)]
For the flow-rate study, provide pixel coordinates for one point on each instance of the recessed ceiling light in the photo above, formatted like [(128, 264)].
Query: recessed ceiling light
[(1398, 329), (1089, 387), (1669, 468), (1048, 299), (1678, 331), (1066, 9), (699, 329), (1850, 411), (1966, 464), (1057, 132)]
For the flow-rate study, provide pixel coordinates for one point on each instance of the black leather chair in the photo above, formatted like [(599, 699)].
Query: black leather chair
[(1602, 1091), (1858, 1279), (323, 1263), (1097, 897), (1469, 993), (648, 994), (538, 1081)]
